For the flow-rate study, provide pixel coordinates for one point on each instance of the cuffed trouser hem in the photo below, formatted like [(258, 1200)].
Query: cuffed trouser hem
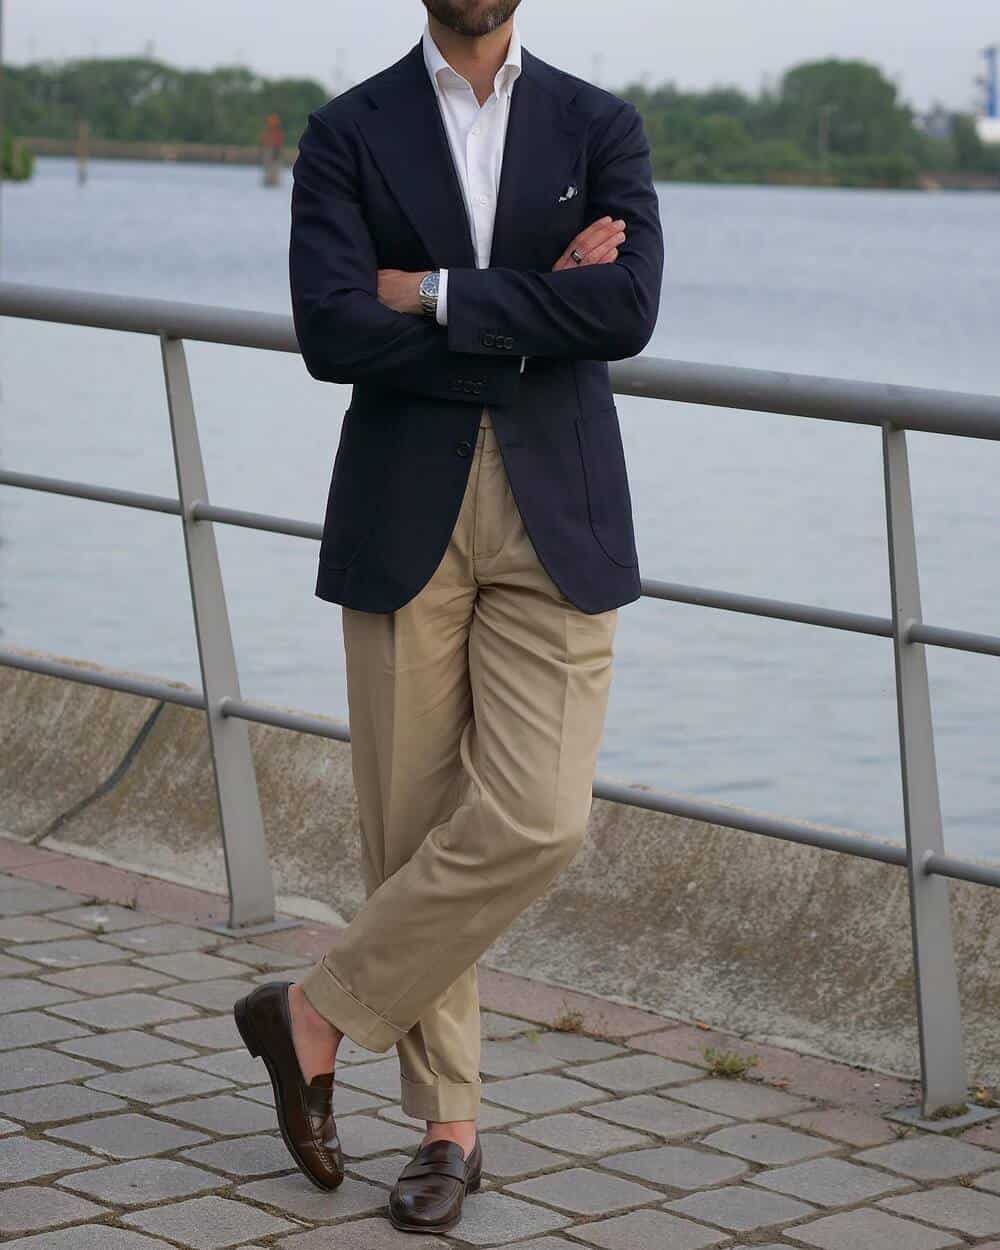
[(347, 1013), (444, 1100)]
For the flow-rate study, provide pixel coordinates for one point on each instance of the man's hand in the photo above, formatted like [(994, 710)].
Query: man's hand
[(400, 290), (597, 244)]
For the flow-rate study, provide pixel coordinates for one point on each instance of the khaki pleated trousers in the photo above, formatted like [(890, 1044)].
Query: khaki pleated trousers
[(476, 714)]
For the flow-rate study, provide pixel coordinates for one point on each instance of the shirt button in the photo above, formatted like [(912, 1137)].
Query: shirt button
[(475, 130), (484, 199)]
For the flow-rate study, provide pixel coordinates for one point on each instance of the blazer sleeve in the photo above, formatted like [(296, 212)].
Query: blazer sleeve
[(595, 312), (345, 334)]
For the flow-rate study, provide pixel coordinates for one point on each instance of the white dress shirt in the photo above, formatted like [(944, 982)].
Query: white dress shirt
[(476, 136)]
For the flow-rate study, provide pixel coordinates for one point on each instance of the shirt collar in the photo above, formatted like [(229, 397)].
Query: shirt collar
[(442, 73)]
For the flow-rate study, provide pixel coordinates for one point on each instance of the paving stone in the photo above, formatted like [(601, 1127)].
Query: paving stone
[(929, 1157), (378, 1078), (234, 1065), (208, 1223), (25, 1069), (212, 1032), (571, 1047), (585, 1192), (829, 1182), (262, 957), (540, 1092), (28, 896), (363, 1135), (767, 1143), (164, 939), (194, 966), (223, 1114), (212, 995), (34, 1028), (631, 1074), (490, 1218), (676, 1166), (134, 1010), (259, 1155), (34, 929), (579, 1134), (75, 952), (128, 1136), (990, 1181), (658, 1115), (514, 1058), (8, 1126), (868, 1229), (741, 1099), (740, 1208), (142, 1181), (127, 1049), (380, 1171), (13, 967), (848, 1124), (21, 994), (88, 1237), (26, 1159), (647, 1230), (507, 1156), (31, 1207), (160, 1082), (108, 979), (771, 1245), (495, 1024), (988, 1135), (547, 1243), (295, 1195), (103, 917), (54, 1103), (369, 1234), (951, 1206)]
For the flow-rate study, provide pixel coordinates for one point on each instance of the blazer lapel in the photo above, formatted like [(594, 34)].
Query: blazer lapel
[(544, 134), (407, 138)]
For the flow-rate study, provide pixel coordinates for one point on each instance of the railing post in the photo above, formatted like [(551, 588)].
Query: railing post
[(248, 870), (939, 1015)]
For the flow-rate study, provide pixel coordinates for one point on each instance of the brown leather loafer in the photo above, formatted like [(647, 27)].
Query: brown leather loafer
[(428, 1195), (305, 1108)]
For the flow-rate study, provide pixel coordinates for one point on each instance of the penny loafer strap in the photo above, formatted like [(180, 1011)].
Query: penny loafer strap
[(443, 1167)]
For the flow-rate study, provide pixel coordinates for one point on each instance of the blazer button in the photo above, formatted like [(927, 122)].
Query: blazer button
[(463, 448), (508, 341), (489, 340)]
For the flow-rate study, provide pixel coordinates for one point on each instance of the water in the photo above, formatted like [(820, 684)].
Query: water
[(786, 718)]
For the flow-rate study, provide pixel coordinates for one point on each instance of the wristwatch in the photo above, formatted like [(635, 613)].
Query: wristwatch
[(429, 292)]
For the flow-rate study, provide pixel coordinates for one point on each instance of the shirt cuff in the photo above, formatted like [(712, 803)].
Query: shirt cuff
[(442, 304)]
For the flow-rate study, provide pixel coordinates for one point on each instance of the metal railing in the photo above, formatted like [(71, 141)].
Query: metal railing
[(895, 409)]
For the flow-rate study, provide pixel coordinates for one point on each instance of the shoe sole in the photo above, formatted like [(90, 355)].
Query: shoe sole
[(257, 1052), (471, 1186)]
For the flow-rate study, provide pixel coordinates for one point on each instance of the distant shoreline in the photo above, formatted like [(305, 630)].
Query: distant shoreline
[(239, 154)]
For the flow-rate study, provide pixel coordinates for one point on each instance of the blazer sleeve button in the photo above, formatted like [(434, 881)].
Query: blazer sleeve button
[(463, 448)]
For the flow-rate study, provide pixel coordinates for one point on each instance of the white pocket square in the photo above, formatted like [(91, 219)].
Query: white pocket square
[(567, 194)]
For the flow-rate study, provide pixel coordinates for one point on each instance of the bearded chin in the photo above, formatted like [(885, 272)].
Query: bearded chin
[(450, 13)]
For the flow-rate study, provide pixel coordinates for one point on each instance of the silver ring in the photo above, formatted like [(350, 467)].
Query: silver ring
[(575, 256)]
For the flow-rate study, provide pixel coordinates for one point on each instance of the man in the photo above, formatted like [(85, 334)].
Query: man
[(475, 233)]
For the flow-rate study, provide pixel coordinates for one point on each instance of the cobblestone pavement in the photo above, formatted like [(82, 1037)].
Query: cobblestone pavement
[(132, 1119)]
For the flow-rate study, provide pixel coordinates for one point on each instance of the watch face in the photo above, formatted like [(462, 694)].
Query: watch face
[(430, 284)]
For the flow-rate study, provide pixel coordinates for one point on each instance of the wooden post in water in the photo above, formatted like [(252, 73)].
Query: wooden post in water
[(82, 151), (272, 144)]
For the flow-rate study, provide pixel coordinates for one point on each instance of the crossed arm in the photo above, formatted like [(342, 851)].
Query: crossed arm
[(603, 310)]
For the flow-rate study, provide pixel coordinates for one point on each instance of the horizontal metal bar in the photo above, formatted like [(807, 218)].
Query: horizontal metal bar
[(632, 795), (147, 688), (675, 592), (957, 639), (777, 609), (751, 822), (301, 722), (84, 490), (696, 382), (961, 869)]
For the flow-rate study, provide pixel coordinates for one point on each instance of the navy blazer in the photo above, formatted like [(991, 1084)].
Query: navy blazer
[(375, 186)]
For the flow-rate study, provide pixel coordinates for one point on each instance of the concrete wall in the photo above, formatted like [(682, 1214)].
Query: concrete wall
[(779, 942)]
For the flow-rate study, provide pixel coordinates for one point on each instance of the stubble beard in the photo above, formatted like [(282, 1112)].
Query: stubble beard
[(471, 19)]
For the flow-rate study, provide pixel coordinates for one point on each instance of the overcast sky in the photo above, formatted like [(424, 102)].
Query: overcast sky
[(931, 50)]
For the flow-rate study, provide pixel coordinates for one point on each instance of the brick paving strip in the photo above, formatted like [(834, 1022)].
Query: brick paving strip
[(131, 1118)]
